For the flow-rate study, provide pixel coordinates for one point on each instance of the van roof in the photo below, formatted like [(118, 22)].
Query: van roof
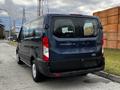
[(69, 15), (77, 15)]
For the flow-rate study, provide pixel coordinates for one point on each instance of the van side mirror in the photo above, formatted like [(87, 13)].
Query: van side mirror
[(46, 26), (19, 37)]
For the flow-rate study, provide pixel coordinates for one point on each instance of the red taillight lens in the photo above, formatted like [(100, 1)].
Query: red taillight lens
[(102, 41), (45, 49), (45, 41)]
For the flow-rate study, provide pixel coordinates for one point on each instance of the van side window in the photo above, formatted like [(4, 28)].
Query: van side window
[(36, 28), (26, 31)]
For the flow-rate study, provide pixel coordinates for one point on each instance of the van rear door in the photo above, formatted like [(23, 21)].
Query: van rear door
[(75, 42)]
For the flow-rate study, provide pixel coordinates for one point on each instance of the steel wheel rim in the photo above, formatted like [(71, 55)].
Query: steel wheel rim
[(17, 57), (34, 70)]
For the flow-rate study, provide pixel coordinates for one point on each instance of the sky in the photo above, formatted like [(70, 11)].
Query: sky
[(56, 6), (15, 7)]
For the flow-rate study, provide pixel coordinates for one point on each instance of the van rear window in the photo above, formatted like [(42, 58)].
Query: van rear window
[(70, 27)]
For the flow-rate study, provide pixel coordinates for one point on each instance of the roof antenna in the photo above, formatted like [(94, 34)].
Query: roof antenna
[(23, 17)]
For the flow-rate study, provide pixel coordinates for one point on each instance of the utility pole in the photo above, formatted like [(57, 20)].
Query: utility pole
[(14, 27), (39, 7), (23, 17)]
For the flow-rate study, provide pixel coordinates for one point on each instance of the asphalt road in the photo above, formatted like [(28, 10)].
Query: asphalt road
[(16, 77)]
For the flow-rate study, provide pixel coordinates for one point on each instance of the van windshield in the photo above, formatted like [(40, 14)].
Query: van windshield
[(74, 27)]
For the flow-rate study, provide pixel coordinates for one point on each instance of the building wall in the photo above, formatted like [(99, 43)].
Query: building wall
[(110, 20)]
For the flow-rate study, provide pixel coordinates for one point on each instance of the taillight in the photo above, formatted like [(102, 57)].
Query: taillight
[(103, 38), (45, 43)]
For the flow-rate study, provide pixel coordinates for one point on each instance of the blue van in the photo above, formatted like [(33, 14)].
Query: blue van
[(59, 45)]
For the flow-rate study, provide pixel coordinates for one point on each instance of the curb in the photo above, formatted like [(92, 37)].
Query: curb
[(111, 77)]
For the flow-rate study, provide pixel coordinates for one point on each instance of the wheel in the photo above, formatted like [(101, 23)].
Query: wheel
[(37, 76), (18, 59)]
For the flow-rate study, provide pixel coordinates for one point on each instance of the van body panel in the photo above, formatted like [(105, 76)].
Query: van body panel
[(69, 54)]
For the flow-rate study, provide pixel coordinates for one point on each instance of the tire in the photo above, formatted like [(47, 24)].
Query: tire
[(36, 75), (18, 60)]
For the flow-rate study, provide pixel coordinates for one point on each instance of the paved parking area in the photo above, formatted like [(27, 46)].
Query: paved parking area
[(16, 77)]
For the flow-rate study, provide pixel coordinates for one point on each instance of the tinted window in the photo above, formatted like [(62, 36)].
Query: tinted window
[(64, 28), (70, 27), (26, 30), (88, 28), (36, 28), (33, 29), (34, 32)]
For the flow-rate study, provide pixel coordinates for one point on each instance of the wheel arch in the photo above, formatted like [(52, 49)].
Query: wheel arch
[(32, 59)]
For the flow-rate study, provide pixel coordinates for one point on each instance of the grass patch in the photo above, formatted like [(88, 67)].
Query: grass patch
[(112, 61), (13, 43)]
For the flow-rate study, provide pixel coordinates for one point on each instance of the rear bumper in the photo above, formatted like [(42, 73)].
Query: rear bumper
[(45, 70), (75, 73)]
